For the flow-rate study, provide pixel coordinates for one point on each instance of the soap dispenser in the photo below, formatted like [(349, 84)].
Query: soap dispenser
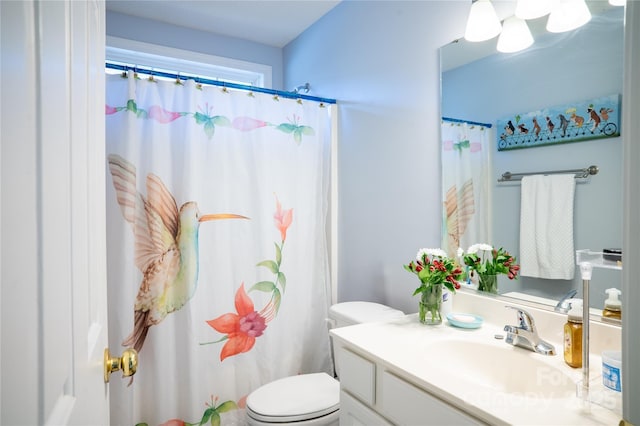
[(612, 306), (573, 334)]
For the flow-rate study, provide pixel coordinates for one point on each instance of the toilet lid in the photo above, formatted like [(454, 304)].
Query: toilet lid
[(295, 398)]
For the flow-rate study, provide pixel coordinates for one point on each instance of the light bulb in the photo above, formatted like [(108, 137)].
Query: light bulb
[(515, 35), (532, 9), (483, 23), (568, 15)]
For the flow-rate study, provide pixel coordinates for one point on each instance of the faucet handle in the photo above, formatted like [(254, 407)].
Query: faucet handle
[(525, 320)]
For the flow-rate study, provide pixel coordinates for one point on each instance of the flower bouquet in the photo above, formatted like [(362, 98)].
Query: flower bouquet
[(488, 262), (435, 270)]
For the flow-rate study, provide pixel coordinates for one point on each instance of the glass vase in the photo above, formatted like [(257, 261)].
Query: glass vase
[(431, 305), (488, 283)]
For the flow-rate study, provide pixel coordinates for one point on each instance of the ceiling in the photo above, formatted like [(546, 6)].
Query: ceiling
[(274, 23)]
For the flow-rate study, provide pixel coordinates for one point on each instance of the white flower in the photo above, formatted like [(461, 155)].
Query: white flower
[(460, 252), (430, 252), (437, 252), (421, 253), (474, 248)]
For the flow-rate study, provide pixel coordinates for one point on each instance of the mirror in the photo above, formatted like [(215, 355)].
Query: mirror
[(482, 85)]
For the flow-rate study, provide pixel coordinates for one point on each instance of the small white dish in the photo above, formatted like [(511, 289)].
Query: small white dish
[(463, 320)]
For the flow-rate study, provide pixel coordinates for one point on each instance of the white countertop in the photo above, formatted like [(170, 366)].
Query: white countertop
[(469, 380)]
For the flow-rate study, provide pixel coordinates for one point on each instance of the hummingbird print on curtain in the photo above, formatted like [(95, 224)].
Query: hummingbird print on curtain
[(166, 246)]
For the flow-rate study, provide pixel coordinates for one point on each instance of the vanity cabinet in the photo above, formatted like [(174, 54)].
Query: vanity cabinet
[(372, 393)]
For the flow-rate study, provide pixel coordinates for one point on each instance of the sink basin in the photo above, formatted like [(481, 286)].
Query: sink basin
[(505, 368)]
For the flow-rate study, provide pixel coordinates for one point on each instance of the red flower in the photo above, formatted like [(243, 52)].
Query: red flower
[(108, 110), (161, 115), (283, 219), (247, 123), (241, 328)]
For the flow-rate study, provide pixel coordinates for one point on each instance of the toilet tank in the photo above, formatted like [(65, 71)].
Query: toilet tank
[(351, 313)]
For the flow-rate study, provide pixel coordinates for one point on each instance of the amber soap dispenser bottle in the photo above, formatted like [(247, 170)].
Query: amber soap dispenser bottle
[(573, 334)]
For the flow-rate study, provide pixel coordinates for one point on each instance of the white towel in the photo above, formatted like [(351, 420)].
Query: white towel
[(546, 227)]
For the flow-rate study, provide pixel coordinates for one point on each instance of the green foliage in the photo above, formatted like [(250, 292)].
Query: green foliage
[(487, 260), (264, 286), (270, 265)]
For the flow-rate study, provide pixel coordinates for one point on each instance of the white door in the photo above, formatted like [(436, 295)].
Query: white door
[(53, 269)]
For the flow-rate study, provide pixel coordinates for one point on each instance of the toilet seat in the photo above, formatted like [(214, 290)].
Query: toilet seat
[(295, 399)]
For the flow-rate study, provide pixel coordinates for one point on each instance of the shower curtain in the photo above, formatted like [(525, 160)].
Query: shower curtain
[(217, 255), (465, 185)]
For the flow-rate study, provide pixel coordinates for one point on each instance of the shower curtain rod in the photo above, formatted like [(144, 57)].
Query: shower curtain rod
[(281, 93), (457, 120), (579, 173)]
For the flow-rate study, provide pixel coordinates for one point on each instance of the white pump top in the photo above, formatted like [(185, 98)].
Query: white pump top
[(613, 302), (575, 312)]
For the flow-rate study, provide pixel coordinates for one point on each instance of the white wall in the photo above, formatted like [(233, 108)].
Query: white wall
[(380, 60), (631, 227)]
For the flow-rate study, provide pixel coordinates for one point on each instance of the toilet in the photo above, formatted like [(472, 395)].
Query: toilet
[(312, 399)]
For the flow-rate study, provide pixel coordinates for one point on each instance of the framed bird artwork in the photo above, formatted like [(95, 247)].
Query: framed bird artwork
[(575, 122)]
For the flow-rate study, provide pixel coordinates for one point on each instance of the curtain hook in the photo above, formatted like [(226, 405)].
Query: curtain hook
[(276, 98), (178, 80), (150, 78)]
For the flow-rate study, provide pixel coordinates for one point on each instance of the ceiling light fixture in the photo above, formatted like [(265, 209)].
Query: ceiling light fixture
[(568, 15), (515, 35), (532, 9), (483, 23), (617, 2)]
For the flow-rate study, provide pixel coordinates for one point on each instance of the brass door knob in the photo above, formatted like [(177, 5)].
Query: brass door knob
[(128, 363)]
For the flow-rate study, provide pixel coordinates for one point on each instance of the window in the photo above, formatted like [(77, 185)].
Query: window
[(149, 58)]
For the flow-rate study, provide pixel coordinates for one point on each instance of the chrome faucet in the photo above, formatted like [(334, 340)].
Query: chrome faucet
[(563, 306), (525, 334)]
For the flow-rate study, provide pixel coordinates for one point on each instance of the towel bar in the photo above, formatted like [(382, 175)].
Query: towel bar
[(580, 173)]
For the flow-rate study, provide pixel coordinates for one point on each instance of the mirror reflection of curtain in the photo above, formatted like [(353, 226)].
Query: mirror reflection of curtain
[(216, 307), (465, 185)]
